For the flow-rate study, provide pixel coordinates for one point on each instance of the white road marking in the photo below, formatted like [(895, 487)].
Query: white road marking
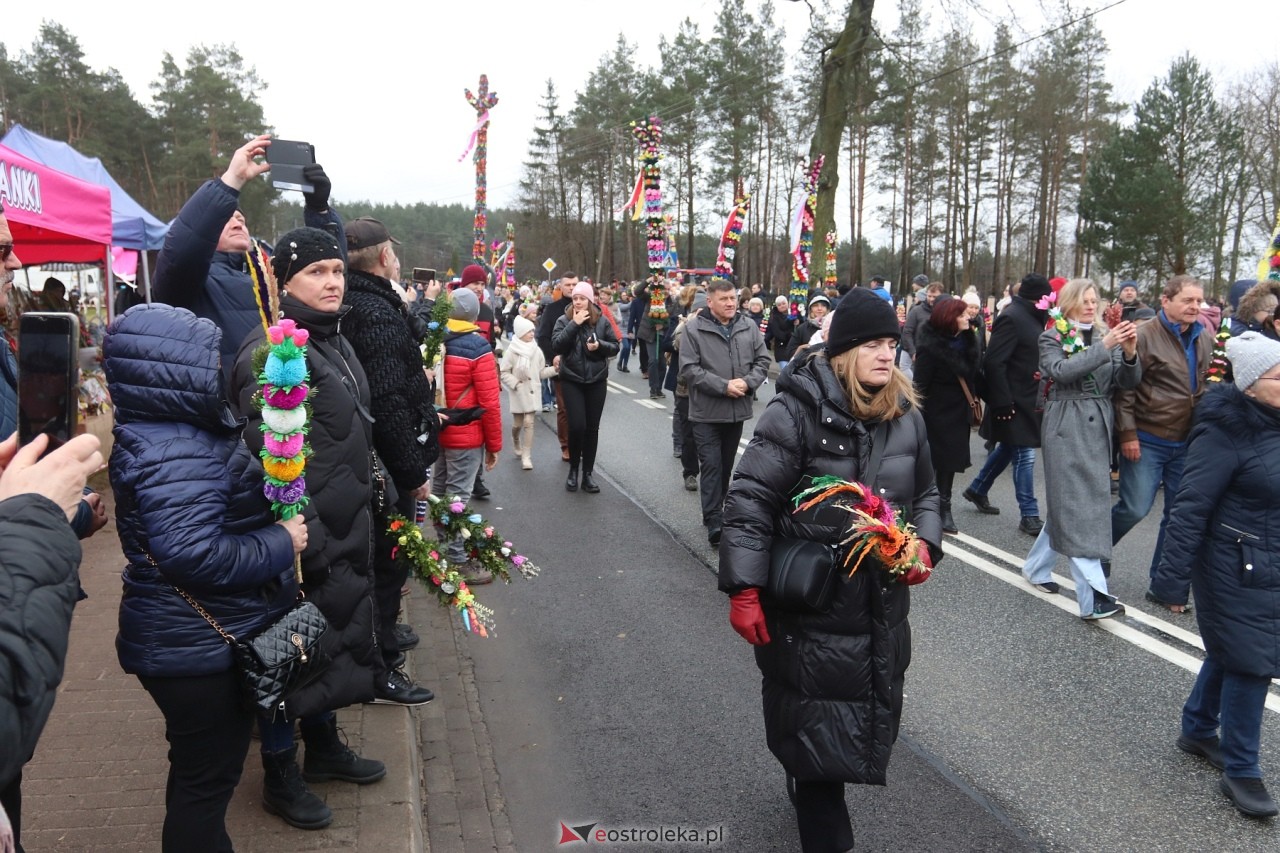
[(614, 386), (1113, 626), (1163, 626), (649, 404)]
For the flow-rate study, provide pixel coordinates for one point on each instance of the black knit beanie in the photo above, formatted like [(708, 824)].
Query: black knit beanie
[(861, 316), (299, 249), (1033, 286)]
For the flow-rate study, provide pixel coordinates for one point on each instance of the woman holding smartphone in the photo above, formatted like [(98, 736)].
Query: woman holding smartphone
[(583, 342)]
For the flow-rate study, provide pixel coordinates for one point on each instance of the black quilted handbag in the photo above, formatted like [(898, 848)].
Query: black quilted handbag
[(279, 660)]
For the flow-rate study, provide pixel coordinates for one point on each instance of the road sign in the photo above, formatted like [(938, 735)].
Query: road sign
[(548, 265)]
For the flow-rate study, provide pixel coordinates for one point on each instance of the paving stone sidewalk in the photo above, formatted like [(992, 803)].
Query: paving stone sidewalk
[(97, 780)]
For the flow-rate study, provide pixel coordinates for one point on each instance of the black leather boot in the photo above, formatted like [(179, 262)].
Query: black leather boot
[(589, 485), (285, 794), (948, 523), (328, 758), (571, 482)]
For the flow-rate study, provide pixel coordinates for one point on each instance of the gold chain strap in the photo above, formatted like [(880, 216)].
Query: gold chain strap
[(195, 604)]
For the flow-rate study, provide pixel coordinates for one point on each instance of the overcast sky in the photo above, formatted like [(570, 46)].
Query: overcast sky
[(380, 93)]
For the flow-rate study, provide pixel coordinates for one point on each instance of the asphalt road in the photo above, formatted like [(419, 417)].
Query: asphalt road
[(617, 695)]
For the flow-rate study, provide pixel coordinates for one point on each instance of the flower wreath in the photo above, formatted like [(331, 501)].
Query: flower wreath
[(1067, 331)]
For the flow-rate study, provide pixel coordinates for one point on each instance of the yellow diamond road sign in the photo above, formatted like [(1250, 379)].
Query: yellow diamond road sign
[(548, 265)]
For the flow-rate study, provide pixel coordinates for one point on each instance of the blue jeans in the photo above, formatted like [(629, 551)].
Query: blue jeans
[(1085, 571), (624, 352), (1236, 701), (1139, 482), (548, 393), (1024, 475)]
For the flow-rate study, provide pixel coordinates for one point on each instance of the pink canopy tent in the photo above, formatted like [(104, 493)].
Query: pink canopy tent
[(53, 216)]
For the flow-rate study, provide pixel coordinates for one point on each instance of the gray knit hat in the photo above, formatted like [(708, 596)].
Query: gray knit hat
[(464, 305), (1252, 354)]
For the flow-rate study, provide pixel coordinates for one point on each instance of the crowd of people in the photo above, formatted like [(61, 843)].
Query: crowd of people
[(868, 388)]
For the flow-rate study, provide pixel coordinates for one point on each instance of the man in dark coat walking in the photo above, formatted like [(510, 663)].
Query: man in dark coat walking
[(1014, 408)]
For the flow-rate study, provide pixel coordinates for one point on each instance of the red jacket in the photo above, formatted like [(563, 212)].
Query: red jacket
[(471, 379)]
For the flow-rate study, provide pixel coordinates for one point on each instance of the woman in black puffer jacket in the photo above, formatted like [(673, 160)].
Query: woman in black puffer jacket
[(583, 342), (833, 688), (191, 516), (337, 573)]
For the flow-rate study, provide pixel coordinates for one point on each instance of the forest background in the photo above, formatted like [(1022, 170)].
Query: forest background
[(970, 160)]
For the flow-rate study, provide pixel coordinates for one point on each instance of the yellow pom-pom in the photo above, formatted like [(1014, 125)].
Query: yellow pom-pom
[(286, 470)]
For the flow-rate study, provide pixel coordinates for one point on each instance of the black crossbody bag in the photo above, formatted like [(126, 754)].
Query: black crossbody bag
[(802, 572)]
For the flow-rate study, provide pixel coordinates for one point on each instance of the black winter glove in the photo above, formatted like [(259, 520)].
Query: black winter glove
[(317, 199)]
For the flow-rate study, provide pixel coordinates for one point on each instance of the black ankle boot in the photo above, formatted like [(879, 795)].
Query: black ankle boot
[(589, 485), (571, 482), (328, 758), (948, 522), (285, 794)]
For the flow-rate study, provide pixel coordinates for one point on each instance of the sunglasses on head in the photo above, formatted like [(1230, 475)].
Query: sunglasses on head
[(6, 249)]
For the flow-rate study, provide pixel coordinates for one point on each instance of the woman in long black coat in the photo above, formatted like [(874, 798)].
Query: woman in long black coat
[(1224, 542), (833, 681), (337, 568), (946, 352)]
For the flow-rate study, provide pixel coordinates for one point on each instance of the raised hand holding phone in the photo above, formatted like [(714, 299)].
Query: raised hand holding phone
[(60, 476)]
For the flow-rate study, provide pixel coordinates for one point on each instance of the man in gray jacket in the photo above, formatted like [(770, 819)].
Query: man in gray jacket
[(723, 360)]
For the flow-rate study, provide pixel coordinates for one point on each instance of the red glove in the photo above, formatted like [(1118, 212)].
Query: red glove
[(920, 574), (746, 617)]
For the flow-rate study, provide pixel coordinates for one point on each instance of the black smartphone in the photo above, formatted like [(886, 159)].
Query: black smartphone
[(426, 275), (1128, 313), (287, 157), (48, 376)]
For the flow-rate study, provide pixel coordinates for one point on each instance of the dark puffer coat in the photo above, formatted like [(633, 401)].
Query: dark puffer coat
[(188, 495), (937, 371), (569, 341), (1011, 369), (833, 681), (400, 397), (337, 571), (39, 556), (1223, 536), (191, 273)]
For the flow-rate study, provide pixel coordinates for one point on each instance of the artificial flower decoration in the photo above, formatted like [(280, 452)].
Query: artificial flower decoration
[(427, 562), (482, 102), (830, 278), (1067, 331), (876, 529), (282, 399), (732, 234), (437, 328), (648, 134), (802, 252), (1219, 366)]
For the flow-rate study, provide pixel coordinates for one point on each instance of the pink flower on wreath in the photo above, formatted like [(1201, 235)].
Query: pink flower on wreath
[(1046, 301), (518, 560), (457, 506), (488, 531)]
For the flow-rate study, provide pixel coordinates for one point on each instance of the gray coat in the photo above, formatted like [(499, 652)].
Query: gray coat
[(708, 361), (1075, 437)]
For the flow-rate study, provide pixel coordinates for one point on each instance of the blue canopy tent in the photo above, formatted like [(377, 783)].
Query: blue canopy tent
[(132, 226)]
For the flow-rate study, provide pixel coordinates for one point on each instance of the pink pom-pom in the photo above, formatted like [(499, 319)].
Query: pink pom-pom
[(286, 449), (287, 326), (278, 399), (275, 334), (300, 337)]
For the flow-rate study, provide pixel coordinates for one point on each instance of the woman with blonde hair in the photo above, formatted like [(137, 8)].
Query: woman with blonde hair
[(833, 681), (1084, 362)]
